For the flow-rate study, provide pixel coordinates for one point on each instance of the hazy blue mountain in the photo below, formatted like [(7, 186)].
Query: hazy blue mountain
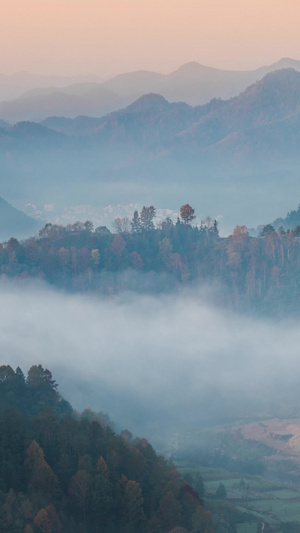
[(150, 118), (228, 152), (134, 84), (192, 83), (29, 135), (4, 124), (14, 85), (84, 100), (197, 84), (14, 223), (263, 119)]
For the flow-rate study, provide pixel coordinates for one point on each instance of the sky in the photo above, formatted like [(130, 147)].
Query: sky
[(107, 37)]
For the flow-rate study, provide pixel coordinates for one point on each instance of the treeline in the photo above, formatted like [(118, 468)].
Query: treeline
[(250, 272), (65, 473)]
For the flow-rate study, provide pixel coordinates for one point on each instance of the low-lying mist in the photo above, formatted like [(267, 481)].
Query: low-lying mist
[(158, 365)]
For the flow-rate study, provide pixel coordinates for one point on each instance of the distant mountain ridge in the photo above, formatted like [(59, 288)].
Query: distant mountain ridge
[(15, 85), (192, 83), (226, 154), (264, 116), (15, 223)]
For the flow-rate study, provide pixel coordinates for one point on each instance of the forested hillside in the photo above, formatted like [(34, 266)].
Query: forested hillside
[(247, 272), (65, 473)]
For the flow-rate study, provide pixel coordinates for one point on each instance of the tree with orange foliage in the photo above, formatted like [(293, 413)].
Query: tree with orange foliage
[(187, 213)]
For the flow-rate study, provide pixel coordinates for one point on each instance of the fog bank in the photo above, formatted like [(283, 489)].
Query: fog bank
[(156, 364)]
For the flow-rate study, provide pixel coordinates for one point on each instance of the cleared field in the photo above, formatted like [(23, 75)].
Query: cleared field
[(229, 483), (283, 510), (285, 494), (239, 453), (248, 527)]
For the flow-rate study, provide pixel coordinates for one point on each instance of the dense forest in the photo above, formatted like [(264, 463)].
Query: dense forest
[(62, 472), (251, 273)]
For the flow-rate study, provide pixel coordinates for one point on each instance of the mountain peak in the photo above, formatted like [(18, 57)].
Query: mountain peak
[(15, 223), (279, 81), (148, 102), (192, 69), (287, 62)]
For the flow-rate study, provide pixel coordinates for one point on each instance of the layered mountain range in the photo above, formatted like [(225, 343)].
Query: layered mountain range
[(26, 97), (263, 119), (156, 151)]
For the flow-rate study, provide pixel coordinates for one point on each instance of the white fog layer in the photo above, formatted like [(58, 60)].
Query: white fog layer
[(153, 363)]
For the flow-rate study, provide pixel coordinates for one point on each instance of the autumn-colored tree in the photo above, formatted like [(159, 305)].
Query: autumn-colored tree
[(54, 519), (102, 467), (28, 529), (42, 479), (202, 522), (27, 509), (240, 232), (136, 261), (95, 257), (236, 246), (10, 506), (118, 245), (7, 375), (43, 522), (187, 213), (132, 504), (38, 377)]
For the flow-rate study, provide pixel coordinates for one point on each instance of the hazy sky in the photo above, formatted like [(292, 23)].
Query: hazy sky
[(106, 37)]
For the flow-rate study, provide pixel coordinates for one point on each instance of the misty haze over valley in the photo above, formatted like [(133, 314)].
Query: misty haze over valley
[(149, 260), (158, 365), (230, 156)]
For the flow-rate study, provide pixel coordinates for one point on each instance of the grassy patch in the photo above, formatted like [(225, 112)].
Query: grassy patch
[(285, 494), (247, 527)]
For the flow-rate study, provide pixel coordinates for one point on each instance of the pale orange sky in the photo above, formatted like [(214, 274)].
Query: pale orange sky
[(106, 37)]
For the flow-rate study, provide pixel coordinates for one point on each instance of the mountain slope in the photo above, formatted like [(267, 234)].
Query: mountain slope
[(155, 151), (14, 223), (14, 85), (267, 111), (192, 83), (266, 115), (38, 105)]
